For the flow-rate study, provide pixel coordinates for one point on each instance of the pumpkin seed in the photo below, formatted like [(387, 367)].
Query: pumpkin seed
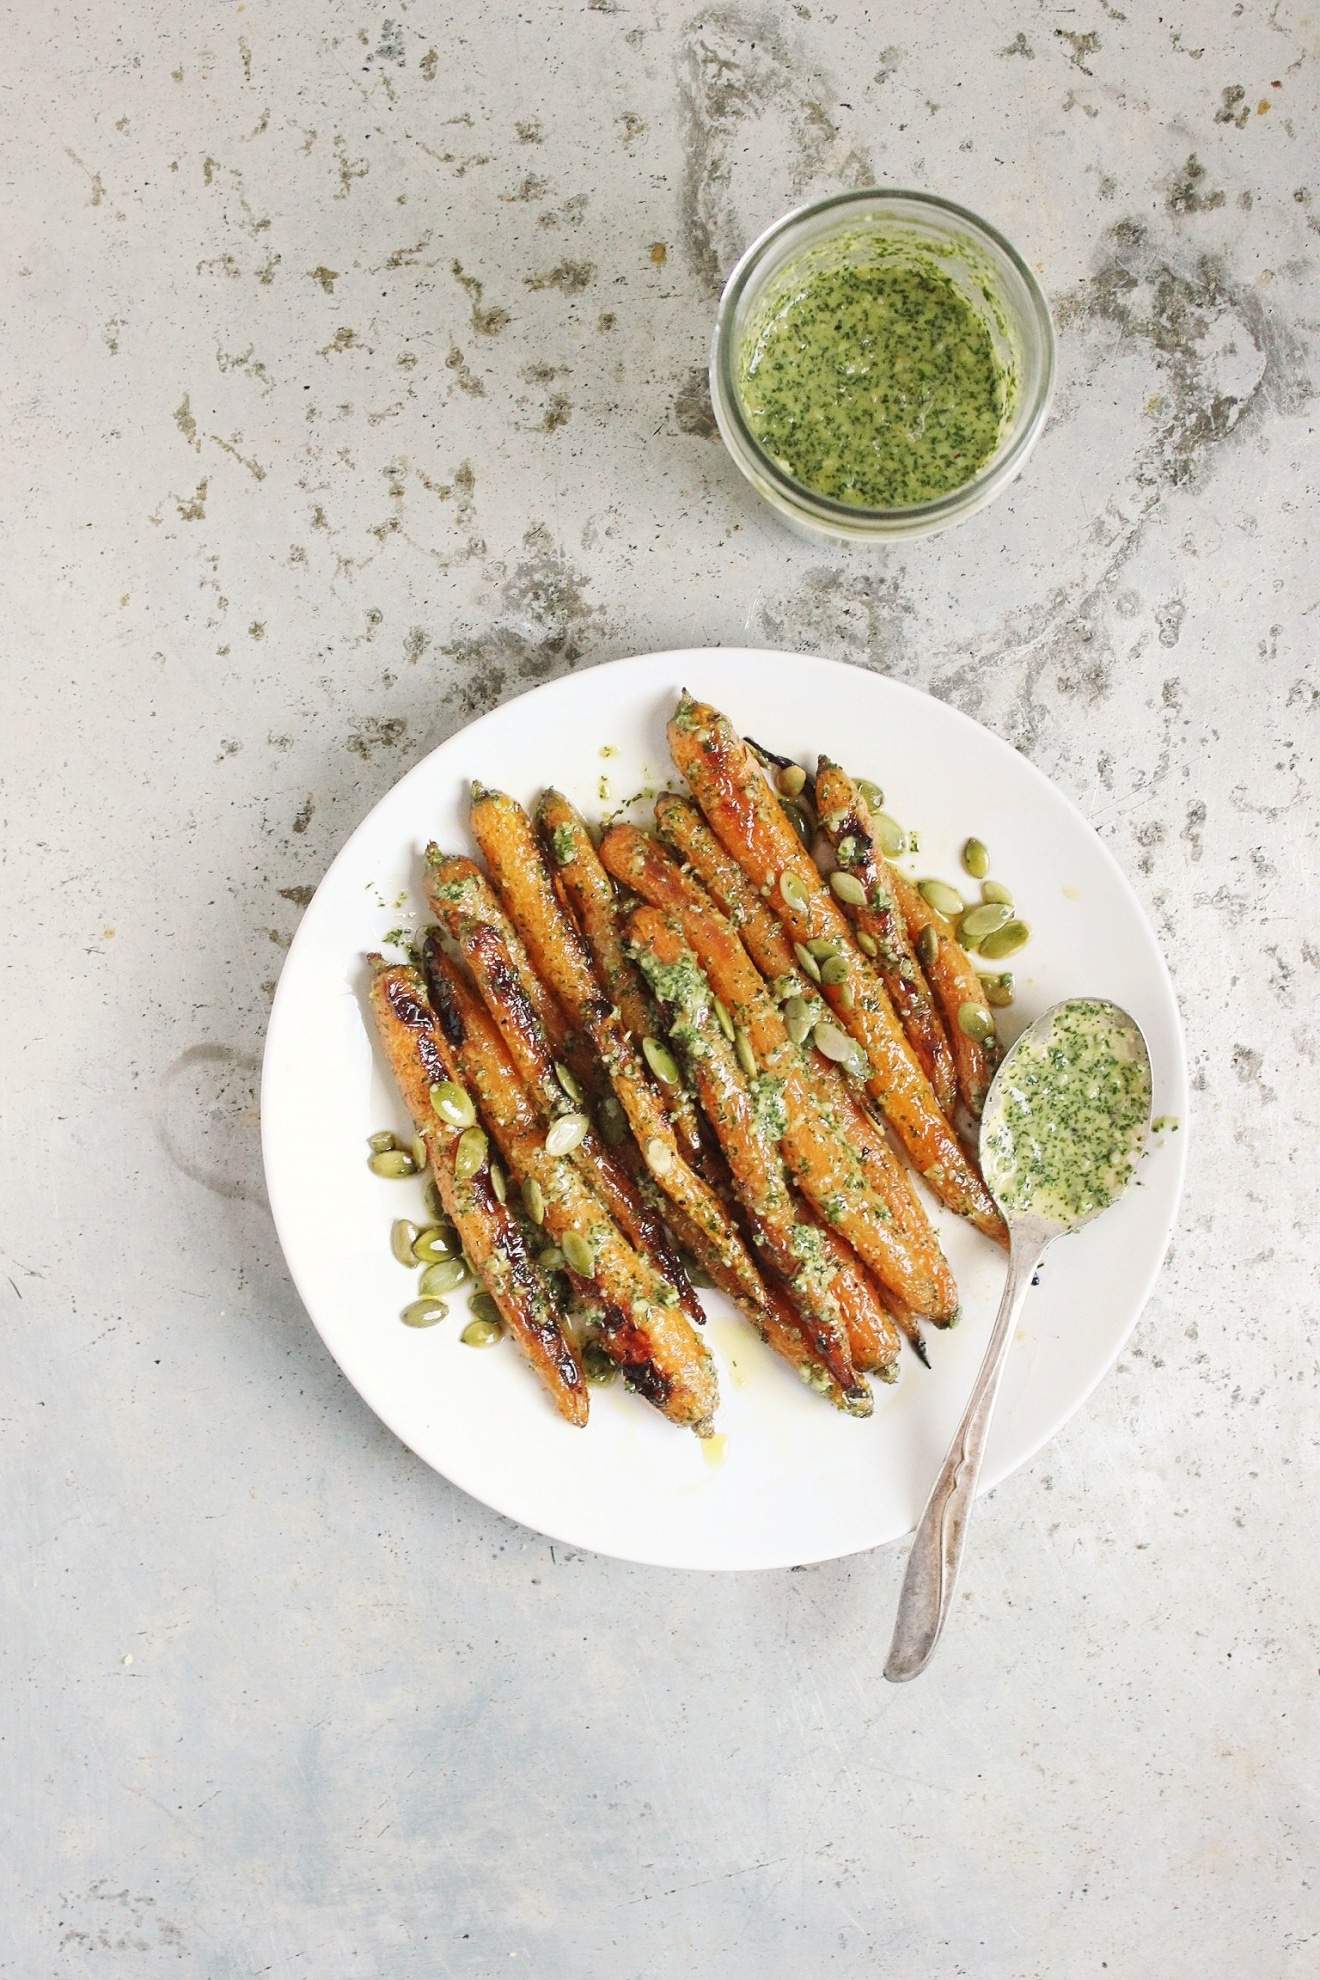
[(866, 942), (453, 1104), (798, 819), (998, 990), (742, 1045), (991, 890), (836, 1044), (807, 960), (659, 1156), (888, 835), (660, 1060), (483, 1306), (848, 850), (945, 900), (847, 997), (975, 1022), (578, 1254), (981, 921), (565, 1134), (551, 1259), (445, 1276), (1005, 940), (431, 1198), (381, 1143), (793, 888), (821, 949), (724, 1021), (403, 1236), (533, 1197), (393, 1163), (872, 794), (470, 1153), (599, 1370), (928, 945), (791, 779), (482, 1333), (797, 1019), (423, 1312), (569, 1084), (835, 970), (417, 1148), (848, 888), (975, 859), (499, 1182), (429, 1246)]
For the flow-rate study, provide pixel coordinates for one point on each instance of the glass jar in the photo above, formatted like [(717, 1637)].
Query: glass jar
[(852, 228)]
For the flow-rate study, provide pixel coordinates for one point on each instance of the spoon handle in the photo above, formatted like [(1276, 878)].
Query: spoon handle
[(937, 1548)]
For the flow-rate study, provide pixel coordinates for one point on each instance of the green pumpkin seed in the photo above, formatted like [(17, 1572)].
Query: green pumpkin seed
[(847, 997), (928, 945), (453, 1104), (435, 1209), (483, 1306), (998, 990), (835, 1043), (403, 1236), (975, 1022), (821, 949), (798, 819), (445, 1276), (578, 1254), (975, 859), (533, 1197), (499, 1182), (381, 1143), (659, 1156), (991, 890), (440, 1241), (797, 1019), (423, 1313), (848, 888), (660, 1060), (848, 851), (1005, 940), (569, 1084), (724, 1021), (807, 960), (393, 1163), (981, 921), (872, 794), (551, 1259), (482, 1333), (419, 1151), (794, 890), (565, 1134), (742, 1045), (866, 942), (599, 1370), (791, 780), (888, 835), (470, 1153), (834, 971), (945, 900)]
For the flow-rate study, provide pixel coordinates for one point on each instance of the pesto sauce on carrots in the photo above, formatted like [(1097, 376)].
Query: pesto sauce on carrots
[(874, 383)]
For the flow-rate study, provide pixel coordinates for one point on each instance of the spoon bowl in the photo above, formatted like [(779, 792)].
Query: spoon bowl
[(1064, 1124)]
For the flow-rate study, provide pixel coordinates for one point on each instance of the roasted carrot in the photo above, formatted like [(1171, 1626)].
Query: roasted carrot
[(504, 833), (747, 1114), (845, 821), (421, 1057), (645, 1328), (815, 1144), (484, 950), (953, 979), (731, 789)]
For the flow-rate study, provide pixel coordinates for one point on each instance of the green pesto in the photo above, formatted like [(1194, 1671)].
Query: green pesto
[(1071, 1121), (768, 1109), (874, 381), (562, 845)]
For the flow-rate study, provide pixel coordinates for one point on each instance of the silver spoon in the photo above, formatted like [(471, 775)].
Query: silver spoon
[(1063, 1124)]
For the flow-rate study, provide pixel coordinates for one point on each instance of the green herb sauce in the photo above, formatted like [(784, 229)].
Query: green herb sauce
[(874, 383), (1069, 1120)]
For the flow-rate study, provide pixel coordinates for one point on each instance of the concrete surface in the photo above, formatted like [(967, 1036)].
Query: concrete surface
[(352, 383)]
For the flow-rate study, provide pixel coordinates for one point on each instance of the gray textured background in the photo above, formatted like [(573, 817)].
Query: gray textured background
[(352, 383)]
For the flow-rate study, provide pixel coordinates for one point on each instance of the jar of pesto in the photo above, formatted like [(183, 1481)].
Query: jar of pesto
[(882, 364)]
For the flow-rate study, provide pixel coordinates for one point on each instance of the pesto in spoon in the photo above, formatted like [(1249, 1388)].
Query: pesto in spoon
[(1064, 1125)]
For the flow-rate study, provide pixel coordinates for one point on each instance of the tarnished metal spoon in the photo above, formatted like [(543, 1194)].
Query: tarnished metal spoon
[(1064, 1123)]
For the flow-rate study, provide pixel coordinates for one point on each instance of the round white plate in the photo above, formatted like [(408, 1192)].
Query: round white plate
[(788, 1480)]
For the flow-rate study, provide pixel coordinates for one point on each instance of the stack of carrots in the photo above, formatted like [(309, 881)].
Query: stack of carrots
[(693, 1052)]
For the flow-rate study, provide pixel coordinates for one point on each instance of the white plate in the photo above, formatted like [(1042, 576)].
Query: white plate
[(793, 1480)]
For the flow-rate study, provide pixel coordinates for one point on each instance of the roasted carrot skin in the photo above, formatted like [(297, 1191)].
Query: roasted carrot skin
[(731, 789), (420, 1058), (645, 1328), (846, 823)]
